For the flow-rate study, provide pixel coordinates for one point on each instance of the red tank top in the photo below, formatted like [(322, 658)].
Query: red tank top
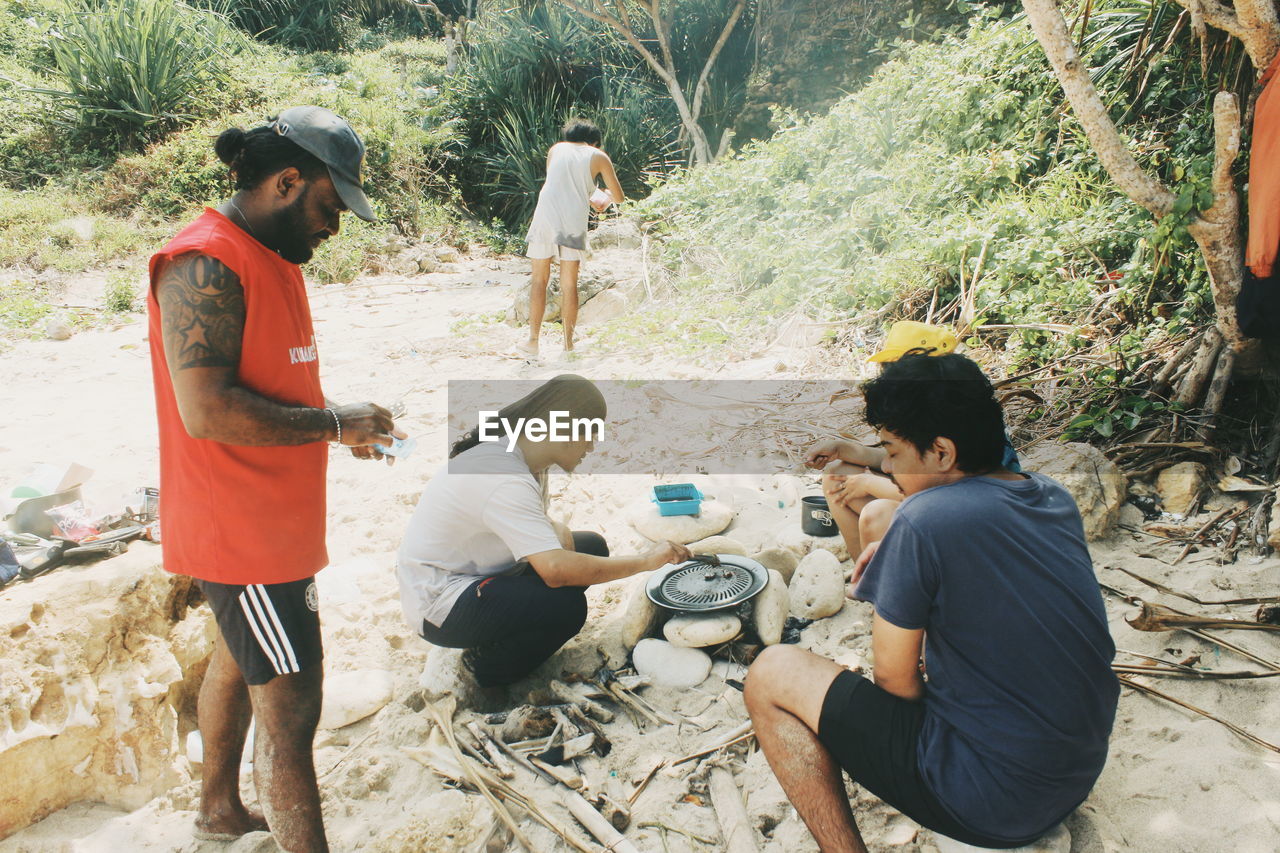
[(229, 513)]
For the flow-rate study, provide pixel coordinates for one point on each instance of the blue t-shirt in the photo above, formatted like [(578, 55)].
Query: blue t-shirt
[(1020, 695)]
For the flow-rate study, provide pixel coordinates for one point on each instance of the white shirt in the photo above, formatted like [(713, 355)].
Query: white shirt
[(478, 516)]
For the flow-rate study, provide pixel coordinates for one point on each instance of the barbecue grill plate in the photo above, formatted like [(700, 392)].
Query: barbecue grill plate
[(696, 586)]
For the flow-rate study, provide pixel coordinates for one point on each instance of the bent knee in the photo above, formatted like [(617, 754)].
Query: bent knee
[(875, 517), (769, 671)]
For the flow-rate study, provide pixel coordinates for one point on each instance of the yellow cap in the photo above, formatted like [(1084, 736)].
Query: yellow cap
[(907, 335)]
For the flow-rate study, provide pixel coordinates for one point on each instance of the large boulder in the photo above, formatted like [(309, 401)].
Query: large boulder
[(1179, 487), (101, 667), (817, 588), (589, 285), (714, 517), (605, 306), (1094, 481), (616, 233)]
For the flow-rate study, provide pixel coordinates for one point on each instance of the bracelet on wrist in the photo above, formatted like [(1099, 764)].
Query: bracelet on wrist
[(337, 423)]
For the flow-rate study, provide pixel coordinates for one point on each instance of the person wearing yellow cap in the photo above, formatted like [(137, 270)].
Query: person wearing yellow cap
[(861, 498)]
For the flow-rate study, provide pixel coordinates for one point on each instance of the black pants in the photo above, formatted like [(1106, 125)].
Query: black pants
[(512, 623)]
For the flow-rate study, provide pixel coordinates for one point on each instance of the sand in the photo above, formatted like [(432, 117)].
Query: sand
[(1174, 781)]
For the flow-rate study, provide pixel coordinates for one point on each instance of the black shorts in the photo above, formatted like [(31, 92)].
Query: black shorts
[(873, 735), (270, 629)]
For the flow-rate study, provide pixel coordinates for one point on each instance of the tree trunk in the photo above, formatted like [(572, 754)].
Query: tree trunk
[(1215, 230)]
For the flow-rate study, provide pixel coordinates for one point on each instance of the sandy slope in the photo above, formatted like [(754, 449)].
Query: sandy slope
[(1174, 782)]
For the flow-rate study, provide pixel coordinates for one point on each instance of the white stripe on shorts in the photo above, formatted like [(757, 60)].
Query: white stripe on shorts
[(267, 650), (280, 632)]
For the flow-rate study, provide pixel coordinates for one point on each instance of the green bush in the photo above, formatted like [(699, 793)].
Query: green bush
[(953, 152), (527, 73), (52, 229), (136, 68), (321, 25)]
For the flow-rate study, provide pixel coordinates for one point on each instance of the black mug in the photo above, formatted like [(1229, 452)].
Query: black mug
[(815, 516)]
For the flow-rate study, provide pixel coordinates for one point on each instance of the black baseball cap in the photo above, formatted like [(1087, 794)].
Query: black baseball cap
[(327, 135)]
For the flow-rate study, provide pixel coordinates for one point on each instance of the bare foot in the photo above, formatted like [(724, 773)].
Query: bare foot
[(529, 347), (229, 825)]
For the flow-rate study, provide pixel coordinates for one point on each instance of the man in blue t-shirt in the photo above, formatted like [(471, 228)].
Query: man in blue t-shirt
[(986, 572)]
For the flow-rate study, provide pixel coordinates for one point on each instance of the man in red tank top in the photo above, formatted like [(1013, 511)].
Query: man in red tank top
[(243, 454)]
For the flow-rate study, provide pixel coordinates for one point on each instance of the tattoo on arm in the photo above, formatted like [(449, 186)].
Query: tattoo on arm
[(202, 313)]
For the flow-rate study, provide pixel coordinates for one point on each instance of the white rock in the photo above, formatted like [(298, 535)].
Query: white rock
[(769, 609), (349, 697), (1179, 486), (791, 538), (696, 631), (780, 560), (446, 254), (835, 544), (640, 617), (817, 588), (718, 545), (714, 517), (1097, 485), (57, 329), (605, 306), (666, 665), (195, 748)]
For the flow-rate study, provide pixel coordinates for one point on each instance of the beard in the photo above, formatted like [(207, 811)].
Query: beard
[(290, 231)]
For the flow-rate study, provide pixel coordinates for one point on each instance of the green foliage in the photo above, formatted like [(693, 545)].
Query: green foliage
[(41, 230), (121, 293), (22, 305), (322, 25), (527, 73), (389, 96), (137, 68), (952, 153)]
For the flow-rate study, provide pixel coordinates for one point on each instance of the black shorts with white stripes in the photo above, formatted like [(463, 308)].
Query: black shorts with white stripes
[(270, 629)]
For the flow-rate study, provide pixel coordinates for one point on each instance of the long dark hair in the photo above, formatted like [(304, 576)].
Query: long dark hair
[(255, 155), (565, 393)]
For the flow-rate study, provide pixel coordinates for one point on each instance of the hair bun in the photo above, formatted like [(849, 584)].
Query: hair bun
[(229, 145)]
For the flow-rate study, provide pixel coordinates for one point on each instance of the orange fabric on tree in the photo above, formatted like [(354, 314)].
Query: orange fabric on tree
[(234, 514), (1264, 177)]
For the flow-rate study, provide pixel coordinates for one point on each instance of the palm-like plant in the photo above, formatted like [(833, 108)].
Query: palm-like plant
[(137, 67)]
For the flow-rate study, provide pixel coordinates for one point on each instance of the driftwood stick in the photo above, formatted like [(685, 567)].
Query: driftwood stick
[(1159, 587), (1187, 672), (1151, 691), (731, 814), (505, 769), (596, 824), (1157, 617), (590, 707), (729, 738), (1218, 641), (444, 719), (625, 698), (686, 833)]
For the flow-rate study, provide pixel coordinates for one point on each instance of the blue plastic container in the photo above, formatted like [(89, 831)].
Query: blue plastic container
[(677, 499)]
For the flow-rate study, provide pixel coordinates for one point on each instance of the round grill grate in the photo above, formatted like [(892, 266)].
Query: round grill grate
[(698, 585)]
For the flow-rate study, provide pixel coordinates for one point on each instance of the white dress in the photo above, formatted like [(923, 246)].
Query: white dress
[(560, 218)]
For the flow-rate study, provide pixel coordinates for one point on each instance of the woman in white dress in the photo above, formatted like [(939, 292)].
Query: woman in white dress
[(559, 227)]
